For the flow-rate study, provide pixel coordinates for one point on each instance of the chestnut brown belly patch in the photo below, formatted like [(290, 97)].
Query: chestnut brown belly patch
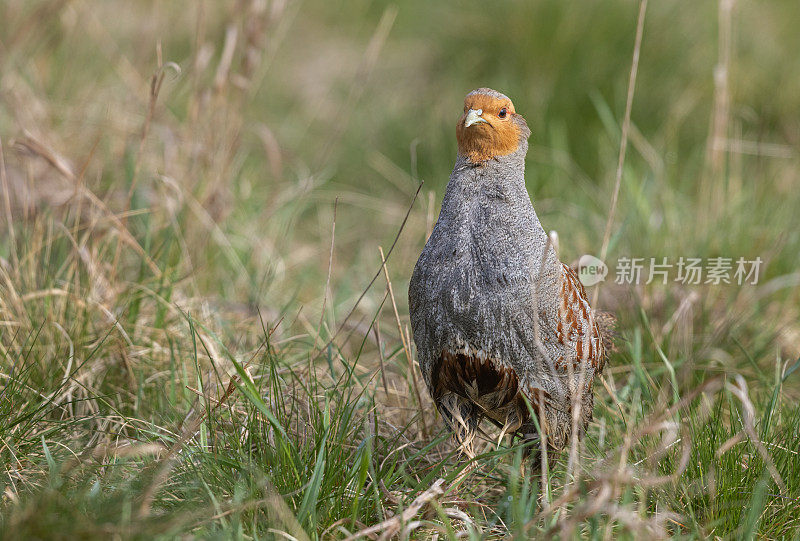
[(481, 380)]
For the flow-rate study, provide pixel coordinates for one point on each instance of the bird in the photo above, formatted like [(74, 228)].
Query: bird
[(503, 330)]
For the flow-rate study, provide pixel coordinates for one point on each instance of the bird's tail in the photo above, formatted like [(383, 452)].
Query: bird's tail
[(607, 325)]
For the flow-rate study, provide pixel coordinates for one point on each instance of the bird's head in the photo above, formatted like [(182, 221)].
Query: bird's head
[(489, 127)]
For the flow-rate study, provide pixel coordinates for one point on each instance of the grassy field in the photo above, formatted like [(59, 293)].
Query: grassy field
[(198, 337)]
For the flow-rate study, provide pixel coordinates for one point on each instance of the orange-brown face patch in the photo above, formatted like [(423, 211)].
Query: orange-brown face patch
[(498, 136)]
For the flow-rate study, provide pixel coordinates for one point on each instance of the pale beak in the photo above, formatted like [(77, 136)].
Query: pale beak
[(473, 117)]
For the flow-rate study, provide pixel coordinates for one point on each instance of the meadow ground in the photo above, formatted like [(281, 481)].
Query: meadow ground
[(197, 334)]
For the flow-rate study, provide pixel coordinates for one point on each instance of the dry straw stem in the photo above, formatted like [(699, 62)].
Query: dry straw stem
[(623, 144), (391, 526), (328, 277), (714, 185), (377, 330), (412, 371), (720, 115), (224, 67), (7, 202), (740, 391)]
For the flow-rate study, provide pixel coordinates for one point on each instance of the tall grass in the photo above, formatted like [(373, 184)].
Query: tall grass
[(187, 348)]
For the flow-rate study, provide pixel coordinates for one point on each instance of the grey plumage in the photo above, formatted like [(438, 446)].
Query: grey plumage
[(488, 290)]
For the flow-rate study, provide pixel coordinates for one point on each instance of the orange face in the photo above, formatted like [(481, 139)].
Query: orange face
[(487, 128)]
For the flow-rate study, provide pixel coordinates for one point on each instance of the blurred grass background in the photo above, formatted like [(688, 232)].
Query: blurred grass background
[(176, 352)]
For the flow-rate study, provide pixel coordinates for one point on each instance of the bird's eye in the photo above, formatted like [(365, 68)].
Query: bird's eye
[(503, 112)]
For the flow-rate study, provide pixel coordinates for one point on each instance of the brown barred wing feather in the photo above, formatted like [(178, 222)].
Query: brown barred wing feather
[(578, 328)]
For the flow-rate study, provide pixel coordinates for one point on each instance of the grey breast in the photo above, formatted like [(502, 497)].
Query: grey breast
[(486, 273)]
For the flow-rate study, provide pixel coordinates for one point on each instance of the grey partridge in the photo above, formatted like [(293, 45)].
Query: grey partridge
[(503, 329)]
